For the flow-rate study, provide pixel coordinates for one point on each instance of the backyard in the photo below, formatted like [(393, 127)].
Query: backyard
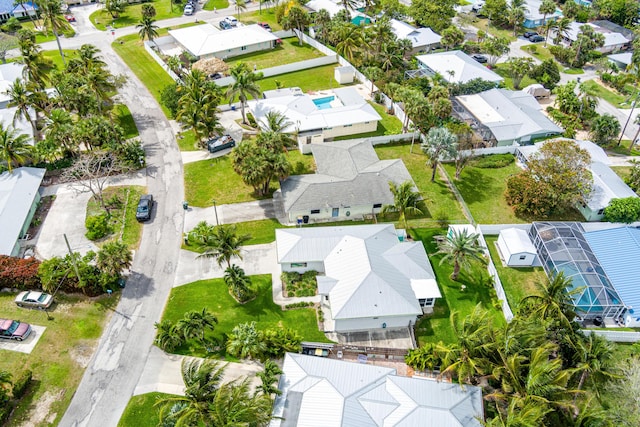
[(133, 13), (59, 358), (471, 288), (266, 15), (215, 179), (286, 53), (308, 80), (214, 295), (389, 125)]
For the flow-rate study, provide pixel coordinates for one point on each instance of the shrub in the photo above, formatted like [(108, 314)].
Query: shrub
[(18, 272), (170, 97), (132, 154), (494, 161), (625, 210), (21, 384), (97, 226), (301, 304), (547, 73), (299, 285)]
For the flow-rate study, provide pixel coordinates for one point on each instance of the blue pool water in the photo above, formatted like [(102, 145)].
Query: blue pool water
[(324, 103)]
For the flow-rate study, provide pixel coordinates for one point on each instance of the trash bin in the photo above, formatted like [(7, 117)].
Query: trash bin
[(122, 282), (233, 108), (185, 206), (305, 219)]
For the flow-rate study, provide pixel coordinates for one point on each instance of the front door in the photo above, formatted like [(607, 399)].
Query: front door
[(335, 212)]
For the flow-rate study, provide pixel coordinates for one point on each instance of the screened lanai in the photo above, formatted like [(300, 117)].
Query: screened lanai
[(562, 247)]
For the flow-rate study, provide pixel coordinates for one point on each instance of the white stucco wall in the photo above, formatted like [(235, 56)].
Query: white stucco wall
[(365, 323), (350, 130), (311, 265), (355, 212), (229, 53)]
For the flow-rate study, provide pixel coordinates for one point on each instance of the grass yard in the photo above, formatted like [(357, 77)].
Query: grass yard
[(42, 37), (267, 15), (187, 141), (129, 230), (538, 50), (214, 295), (287, 53), (141, 412), (133, 13), (215, 179), (56, 59), (216, 4), (60, 357), (389, 125), (517, 282), (483, 24), (623, 149), (500, 69), (439, 200), (437, 326), (573, 71), (308, 80), (596, 89), (125, 121), (261, 231)]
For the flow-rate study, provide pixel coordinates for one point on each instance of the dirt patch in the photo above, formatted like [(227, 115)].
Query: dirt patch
[(39, 412), (82, 352)]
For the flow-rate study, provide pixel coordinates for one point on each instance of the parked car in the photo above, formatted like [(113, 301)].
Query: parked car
[(188, 10), (34, 299), (265, 26), (231, 20), (215, 76), (224, 25), (70, 18), (221, 143), (14, 330), (536, 39), (528, 34), (145, 204), (480, 58)]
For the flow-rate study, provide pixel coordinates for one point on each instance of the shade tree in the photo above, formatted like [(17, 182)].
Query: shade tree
[(222, 243), (258, 165)]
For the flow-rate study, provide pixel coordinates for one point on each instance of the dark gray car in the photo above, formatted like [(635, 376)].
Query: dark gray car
[(143, 212)]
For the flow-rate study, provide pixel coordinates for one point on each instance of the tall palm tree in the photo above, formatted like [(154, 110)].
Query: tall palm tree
[(20, 97), (100, 82), (245, 85), (245, 341), (595, 360), (547, 7), (168, 336), (351, 42), (222, 244), (238, 283), (562, 27), (197, 105), (195, 323), (14, 147), (405, 199), (460, 247), (515, 14), (554, 302), (273, 135), (86, 59), (241, 5), (53, 20), (148, 28), (322, 22), (59, 130), (113, 258), (439, 144)]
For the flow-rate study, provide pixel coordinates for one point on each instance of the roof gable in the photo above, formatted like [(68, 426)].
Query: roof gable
[(457, 67)]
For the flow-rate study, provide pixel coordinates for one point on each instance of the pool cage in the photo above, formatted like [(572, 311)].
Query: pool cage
[(562, 247)]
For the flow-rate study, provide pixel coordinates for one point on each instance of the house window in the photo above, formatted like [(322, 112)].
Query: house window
[(429, 302), (335, 212), (523, 257), (366, 123), (243, 48), (377, 206), (298, 265), (315, 211), (600, 211), (347, 126)]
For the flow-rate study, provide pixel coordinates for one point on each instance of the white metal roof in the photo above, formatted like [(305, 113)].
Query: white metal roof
[(517, 241), (624, 58), (206, 39), (607, 185), (417, 36), (9, 72), (425, 288), (596, 152), (18, 190), (21, 125), (326, 392), (332, 7), (611, 38), (532, 11), (457, 67)]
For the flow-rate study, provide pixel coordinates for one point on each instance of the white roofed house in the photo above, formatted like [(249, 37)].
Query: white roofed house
[(455, 66), (340, 112), (422, 39), (615, 37), (325, 392), (372, 279)]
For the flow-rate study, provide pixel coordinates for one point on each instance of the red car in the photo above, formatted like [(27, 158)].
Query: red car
[(14, 330), (70, 18)]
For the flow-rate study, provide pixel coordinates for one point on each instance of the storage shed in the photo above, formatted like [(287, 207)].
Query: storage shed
[(516, 249), (344, 75)]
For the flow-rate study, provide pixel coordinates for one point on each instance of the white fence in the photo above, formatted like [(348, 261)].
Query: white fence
[(615, 336), (154, 55), (492, 150)]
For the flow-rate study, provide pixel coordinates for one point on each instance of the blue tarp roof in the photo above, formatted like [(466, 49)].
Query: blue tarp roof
[(618, 251)]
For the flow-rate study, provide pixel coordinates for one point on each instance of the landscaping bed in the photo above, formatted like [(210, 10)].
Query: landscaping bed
[(299, 284)]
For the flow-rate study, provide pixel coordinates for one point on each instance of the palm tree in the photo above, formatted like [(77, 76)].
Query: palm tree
[(269, 378), (238, 283), (460, 247), (273, 135), (148, 28), (195, 323), (222, 244), (244, 85), (202, 381), (322, 20), (59, 130), (197, 106), (439, 144), (351, 42), (31, 57), (53, 20), (405, 199), (113, 258), (519, 414), (235, 405), (246, 342), (20, 98), (515, 14), (168, 336), (595, 360), (87, 58), (241, 5), (296, 19), (554, 302), (14, 147), (547, 7), (350, 4), (562, 27)]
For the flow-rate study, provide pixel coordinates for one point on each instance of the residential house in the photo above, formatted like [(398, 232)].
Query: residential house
[(9, 9), (456, 67), (504, 117), (607, 185), (19, 198), (206, 41), (334, 393), (532, 16), (422, 39), (515, 248), (621, 60), (318, 118), (369, 279), (334, 7), (613, 39), (350, 182)]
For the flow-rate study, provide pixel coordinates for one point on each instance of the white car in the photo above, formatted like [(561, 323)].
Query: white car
[(232, 20), (34, 299), (188, 10)]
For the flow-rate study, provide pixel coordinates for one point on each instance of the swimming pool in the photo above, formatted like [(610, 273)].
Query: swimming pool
[(324, 103)]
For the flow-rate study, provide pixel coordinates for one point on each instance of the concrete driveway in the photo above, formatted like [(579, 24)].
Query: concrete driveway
[(27, 345), (228, 214)]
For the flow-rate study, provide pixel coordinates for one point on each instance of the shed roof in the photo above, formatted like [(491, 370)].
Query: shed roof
[(618, 252), (607, 185), (18, 190), (457, 67), (206, 39), (517, 241), (417, 36), (9, 73), (326, 392)]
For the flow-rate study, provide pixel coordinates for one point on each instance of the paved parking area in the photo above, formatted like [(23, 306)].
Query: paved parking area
[(27, 345)]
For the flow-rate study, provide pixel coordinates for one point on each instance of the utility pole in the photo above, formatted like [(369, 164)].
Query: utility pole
[(73, 261), (633, 107)]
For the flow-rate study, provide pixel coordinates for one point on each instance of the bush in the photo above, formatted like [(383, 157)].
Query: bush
[(547, 74), (132, 154), (299, 285), (21, 385), (301, 304), (170, 97), (18, 272), (5, 411), (625, 210), (97, 226), (562, 54), (494, 161)]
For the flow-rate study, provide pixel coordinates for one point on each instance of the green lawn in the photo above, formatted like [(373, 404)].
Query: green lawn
[(261, 231), (437, 326), (130, 230), (215, 179), (389, 125), (287, 53), (125, 121), (59, 358), (217, 4), (133, 13), (141, 412), (517, 282), (573, 71), (615, 99), (42, 37), (56, 59), (623, 149), (500, 69), (483, 24), (308, 80), (214, 295), (267, 15), (187, 141), (439, 200), (538, 50)]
